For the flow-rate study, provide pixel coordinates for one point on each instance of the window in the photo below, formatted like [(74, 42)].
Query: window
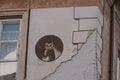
[(118, 65), (13, 41), (9, 40)]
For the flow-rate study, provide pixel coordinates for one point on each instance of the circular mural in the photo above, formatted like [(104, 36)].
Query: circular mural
[(49, 48)]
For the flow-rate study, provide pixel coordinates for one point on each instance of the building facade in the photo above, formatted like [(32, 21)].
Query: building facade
[(59, 39)]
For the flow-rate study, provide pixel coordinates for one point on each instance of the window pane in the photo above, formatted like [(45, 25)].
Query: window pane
[(10, 35), (10, 30), (118, 66), (11, 26), (119, 70), (8, 50)]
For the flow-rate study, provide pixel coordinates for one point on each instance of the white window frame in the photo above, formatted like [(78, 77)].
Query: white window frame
[(22, 65)]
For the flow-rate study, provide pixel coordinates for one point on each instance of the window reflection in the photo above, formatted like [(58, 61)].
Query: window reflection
[(9, 36)]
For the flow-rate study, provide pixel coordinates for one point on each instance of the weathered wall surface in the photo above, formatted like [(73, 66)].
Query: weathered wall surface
[(82, 66), (23, 4), (81, 26), (13, 4), (61, 3)]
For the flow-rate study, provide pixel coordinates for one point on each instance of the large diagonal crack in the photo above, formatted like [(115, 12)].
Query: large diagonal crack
[(71, 57)]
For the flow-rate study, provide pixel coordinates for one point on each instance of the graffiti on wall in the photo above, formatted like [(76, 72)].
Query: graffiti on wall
[(49, 48)]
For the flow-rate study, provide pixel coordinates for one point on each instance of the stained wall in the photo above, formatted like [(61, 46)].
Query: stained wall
[(23, 4)]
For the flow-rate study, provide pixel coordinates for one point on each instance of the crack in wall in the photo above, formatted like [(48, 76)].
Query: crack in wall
[(96, 56), (71, 57), (74, 56), (97, 59)]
